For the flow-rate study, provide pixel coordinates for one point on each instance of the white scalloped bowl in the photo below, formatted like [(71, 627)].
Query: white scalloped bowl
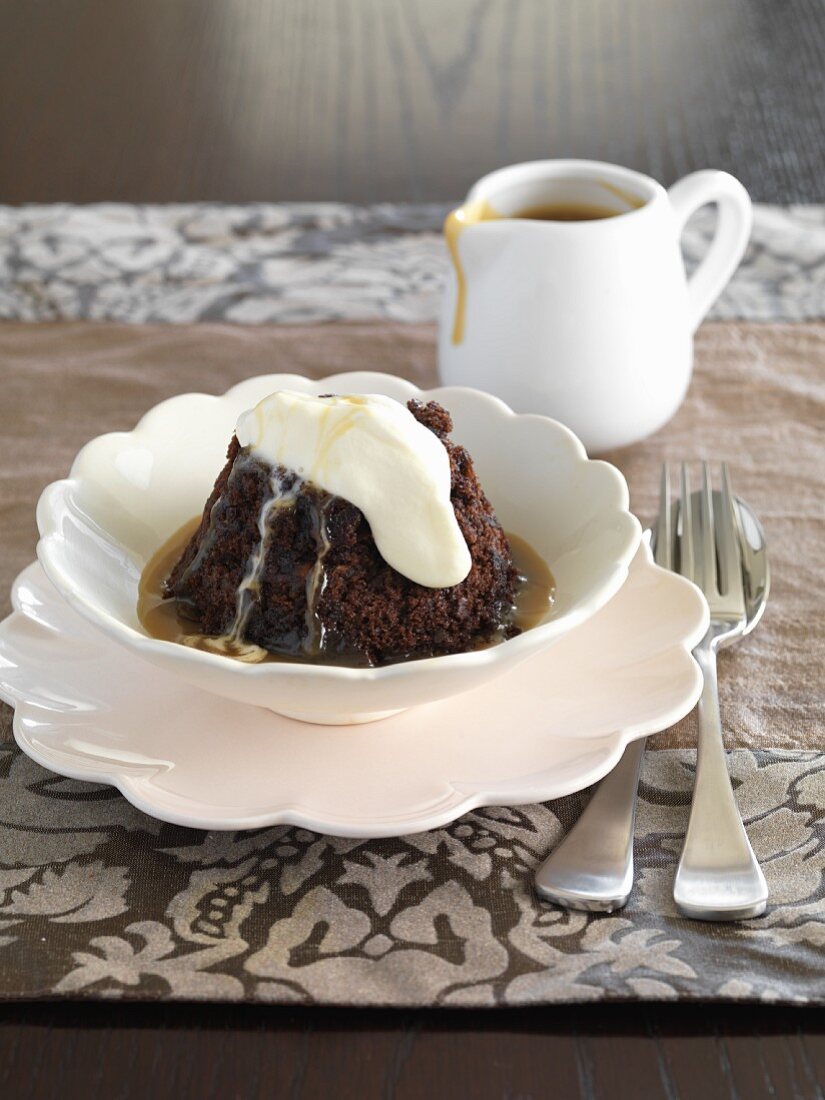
[(128, 492)]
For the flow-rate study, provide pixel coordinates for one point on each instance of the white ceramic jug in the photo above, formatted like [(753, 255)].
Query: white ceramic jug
[(588, 321)]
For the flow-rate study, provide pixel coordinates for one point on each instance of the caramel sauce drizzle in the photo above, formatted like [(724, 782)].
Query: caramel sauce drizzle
[(456, 222), (162, 618)]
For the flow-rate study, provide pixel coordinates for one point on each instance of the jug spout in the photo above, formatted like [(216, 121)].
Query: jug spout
[(471, 213)]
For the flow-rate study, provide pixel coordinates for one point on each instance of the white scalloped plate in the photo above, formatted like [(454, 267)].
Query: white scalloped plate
[(554, 724), (129, 491)]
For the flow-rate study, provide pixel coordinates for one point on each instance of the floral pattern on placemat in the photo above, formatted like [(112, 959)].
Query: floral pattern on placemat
[(98, 900), (305, 263)]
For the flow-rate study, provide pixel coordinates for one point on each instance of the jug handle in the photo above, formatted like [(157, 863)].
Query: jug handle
[(733, 229)]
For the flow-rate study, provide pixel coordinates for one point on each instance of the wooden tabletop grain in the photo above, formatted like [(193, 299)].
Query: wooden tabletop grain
[(369, 100), (592, 1052), (372, 100)]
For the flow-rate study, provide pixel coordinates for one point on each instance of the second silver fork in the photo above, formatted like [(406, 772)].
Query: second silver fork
[(718, 877)]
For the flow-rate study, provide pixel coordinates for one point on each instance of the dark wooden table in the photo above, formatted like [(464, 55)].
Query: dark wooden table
[(592, 1052), (365, 100), (408, 100)]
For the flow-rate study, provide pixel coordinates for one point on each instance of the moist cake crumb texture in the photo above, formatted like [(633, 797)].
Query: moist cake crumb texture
[(281, 564)]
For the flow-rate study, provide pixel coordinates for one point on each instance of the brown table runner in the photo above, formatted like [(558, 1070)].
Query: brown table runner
[(96, 899)]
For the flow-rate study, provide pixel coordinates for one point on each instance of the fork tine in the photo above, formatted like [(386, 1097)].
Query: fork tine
[(707, 536), (730, 541), (664, 523), (687, 555)]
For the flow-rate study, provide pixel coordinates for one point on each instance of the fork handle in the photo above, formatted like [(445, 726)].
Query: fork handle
[(718, 877)]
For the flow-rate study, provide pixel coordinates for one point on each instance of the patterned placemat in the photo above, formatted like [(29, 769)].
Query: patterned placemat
[(99, 900), (305, 263)]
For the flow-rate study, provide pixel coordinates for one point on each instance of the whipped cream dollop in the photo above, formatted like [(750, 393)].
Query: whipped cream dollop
[(371, 451)]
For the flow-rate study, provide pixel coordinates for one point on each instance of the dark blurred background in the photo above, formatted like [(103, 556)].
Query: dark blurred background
[(406, 100)]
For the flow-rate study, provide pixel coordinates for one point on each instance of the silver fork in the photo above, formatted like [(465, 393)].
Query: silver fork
[(592, 867), (718, 877)]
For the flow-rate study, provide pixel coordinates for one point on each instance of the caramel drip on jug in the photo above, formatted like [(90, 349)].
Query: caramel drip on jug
[(575, 209), (456, 222)]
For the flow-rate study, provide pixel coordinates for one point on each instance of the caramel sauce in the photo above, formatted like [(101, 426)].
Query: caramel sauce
[(457, 221), (161, 618), (536, 588), (568, 212), (480, 210)]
